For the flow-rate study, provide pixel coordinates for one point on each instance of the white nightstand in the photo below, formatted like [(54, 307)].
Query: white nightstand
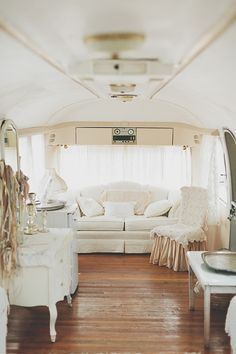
[(45, 271)]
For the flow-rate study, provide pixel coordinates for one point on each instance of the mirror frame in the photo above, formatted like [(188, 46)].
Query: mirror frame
[(5, 124)]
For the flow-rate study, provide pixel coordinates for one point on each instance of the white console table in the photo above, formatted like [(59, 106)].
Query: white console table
[(212, 282), (44, 274)]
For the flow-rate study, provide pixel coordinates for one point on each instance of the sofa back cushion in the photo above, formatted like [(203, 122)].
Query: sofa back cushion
[(94, 192), (142, 198), (158, 193), (128, 191), (125, 186)]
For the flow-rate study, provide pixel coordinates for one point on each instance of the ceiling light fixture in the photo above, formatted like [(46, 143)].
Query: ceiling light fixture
[(122, 88), (124, 98), (114, 42)]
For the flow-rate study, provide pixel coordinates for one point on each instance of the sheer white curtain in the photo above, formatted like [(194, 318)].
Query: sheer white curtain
[(32, 159), (81, 166), (211, 168)]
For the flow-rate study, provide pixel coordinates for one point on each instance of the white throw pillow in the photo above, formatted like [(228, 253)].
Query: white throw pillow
[(142, 198), (157, 208), (90, 207), (119, 209)]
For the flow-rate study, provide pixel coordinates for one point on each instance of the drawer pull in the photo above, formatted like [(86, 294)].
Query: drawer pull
[(61, 260), (62, 284)]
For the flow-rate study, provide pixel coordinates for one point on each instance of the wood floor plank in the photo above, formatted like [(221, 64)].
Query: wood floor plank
[(124, 305)]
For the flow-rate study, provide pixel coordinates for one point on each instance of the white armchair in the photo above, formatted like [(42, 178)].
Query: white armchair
[(171, 242)]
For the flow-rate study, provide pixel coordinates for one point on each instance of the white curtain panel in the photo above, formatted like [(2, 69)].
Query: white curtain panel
[(168, 167), (212, 169), (32, 159)]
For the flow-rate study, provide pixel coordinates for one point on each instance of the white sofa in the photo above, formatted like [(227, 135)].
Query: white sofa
[(126, 234)]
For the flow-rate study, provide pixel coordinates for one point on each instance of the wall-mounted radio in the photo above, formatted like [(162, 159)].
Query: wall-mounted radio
[(124, 135)]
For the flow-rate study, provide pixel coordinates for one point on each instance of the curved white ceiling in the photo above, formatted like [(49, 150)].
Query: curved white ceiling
[(39, 42)]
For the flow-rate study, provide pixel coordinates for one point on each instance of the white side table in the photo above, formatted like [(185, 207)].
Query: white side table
[(63, 217), (211, 282), (44, 274)]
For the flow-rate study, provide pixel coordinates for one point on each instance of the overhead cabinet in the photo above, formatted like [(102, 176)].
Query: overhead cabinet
[(142, 136), (93, 136), (155, 136), (62, 136), (124, 135)]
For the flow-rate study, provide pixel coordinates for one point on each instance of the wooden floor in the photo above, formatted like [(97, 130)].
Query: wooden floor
[(123, 305)]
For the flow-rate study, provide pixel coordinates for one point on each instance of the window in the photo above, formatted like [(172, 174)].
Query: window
[(169, 167)]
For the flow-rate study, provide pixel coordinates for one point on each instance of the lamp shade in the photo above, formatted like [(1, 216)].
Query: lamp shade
[(52, 184)]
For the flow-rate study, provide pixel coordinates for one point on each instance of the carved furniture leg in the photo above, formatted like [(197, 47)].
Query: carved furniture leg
[(53, 317)]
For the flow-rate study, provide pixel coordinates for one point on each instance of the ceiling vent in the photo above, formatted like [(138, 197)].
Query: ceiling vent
[(197, 138), (116, 68)]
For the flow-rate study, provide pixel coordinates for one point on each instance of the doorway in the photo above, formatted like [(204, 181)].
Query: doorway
[(230, 144)]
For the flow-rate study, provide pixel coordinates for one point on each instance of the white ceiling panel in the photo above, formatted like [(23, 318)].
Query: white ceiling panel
[(41, 45)]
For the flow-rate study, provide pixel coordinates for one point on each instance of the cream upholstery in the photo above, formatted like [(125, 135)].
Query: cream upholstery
[(140, 222), (112, 234), (98, 223), (172, 241)]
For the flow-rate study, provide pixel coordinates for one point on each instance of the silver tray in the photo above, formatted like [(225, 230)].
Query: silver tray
[(51, 205), (224, 261)]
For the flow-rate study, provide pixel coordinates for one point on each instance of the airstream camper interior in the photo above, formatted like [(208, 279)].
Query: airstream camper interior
[(118, 176)]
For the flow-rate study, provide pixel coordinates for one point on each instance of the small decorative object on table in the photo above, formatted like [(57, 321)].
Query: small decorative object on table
[(31, 228), (52, 185), (45, 207), (224, 261)]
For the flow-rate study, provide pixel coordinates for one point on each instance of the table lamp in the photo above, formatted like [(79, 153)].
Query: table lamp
[(52, 185)]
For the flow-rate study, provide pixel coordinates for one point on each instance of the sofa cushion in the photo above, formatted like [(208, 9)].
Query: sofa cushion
[(142, 198), (158, 208), (98, 223), (119, 209), (140, 222)]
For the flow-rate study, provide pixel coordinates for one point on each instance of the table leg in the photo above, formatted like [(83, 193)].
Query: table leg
[(69, 300), (207, 315), (53, 317), (191, 289)]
